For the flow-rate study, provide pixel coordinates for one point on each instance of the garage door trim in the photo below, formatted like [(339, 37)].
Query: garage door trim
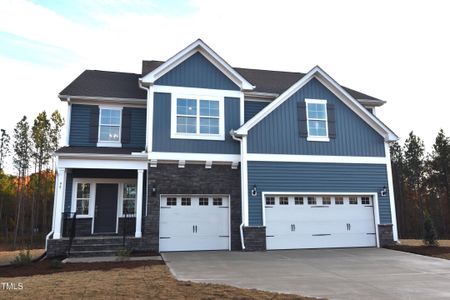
[(161, 196), (374, 197)]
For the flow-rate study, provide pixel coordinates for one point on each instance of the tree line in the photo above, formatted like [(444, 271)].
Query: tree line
[(422, 186), (26, 198)]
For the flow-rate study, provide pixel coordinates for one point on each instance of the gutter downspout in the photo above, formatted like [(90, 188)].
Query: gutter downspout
[(243, 185)]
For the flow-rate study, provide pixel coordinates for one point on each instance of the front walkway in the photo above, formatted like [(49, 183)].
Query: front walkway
[(368, 273)]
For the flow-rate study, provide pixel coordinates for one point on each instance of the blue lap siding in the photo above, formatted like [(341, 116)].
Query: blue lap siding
[(198, 72), (315, 177), (278, 132), (251, 108), (161, 133)]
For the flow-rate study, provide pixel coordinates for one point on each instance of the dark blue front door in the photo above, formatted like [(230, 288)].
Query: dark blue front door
[(105, 208)]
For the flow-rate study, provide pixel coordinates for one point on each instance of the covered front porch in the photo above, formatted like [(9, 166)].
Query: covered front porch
[(99, 196)]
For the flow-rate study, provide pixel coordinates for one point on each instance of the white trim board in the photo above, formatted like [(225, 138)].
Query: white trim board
[(316, 158), (79, 163), (176, 156), (196, 91), (209, 54), (333, 86)]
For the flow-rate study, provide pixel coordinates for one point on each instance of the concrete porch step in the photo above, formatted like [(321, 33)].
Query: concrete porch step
[(96, 247)]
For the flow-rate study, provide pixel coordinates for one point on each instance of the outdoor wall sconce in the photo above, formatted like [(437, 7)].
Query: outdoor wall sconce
[(383, 191), (254, 191), (153, 191)]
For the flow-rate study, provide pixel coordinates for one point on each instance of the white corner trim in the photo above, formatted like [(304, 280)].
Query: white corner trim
[(391, 191), (244, 181), (330, 83), (68, 120), (205, 50), (241, 109), (316, 158), (150, 106), (200, 157), (197, 136)]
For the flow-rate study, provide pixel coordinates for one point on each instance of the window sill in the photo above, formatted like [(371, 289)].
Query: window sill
[(218, 137), (109, 144), (318, 139), (84, 217)]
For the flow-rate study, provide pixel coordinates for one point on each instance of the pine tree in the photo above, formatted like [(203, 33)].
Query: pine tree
[(4, 147), (21, 161)]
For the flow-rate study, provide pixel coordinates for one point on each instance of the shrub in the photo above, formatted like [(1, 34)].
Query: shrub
[(23, 258), (430, 237)]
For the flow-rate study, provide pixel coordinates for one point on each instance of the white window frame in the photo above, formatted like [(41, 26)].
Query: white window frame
[(91, 197), (197, 136), (121, 199), (316, 138), (101, 143)]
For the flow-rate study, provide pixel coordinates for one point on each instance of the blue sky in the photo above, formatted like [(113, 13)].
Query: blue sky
[(393, 50)]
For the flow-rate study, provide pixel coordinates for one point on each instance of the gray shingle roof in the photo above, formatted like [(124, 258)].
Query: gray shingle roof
[(93, 83)]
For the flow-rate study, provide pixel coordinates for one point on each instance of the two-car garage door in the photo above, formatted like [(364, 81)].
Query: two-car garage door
[(312, 221), (194, 222)]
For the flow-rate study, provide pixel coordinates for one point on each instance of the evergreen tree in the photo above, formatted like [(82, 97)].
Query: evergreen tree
[(430, 237), (4, 147), (21, 160)]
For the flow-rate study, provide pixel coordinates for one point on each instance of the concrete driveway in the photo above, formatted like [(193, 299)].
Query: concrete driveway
[(365, 273)]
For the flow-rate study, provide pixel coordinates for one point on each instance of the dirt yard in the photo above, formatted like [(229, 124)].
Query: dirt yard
[(7, 256), (417, 247), (124, 280)]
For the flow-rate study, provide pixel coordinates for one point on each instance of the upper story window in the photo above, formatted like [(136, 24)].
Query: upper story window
[(317, 122), (109, 132), (197, 117)]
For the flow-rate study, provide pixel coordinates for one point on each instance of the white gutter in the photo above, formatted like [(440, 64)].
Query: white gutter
[(244, 187)]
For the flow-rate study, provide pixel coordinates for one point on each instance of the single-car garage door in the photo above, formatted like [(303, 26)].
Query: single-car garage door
[(190, 223), (311, 221)]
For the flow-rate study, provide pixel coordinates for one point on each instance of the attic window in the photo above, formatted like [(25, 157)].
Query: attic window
[(317, 121)]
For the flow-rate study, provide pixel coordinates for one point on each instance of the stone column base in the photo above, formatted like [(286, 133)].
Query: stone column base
[(255, 238), (385, 235)]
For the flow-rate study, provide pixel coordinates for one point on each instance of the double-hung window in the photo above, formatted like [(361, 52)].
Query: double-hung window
[(129, 199), (197, 117), (317, 123), (109, 132), (83, 196)]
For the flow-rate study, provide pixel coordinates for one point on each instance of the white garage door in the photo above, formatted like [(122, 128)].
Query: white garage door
[(309, 221), (190, 223)]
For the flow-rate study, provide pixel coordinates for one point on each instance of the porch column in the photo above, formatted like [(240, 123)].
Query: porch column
[(140, 189), (59, 201)]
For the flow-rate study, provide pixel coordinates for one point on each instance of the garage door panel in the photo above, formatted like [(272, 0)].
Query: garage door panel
[(319, 221), (189, 223)]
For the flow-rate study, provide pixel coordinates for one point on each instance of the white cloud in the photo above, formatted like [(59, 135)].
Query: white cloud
[(394, 50)]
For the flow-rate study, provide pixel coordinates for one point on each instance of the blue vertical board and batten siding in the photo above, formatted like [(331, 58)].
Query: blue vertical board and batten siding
[(161, 133), (197, 72), (80, 126), (278, 132), (315, 177), (251, 108)]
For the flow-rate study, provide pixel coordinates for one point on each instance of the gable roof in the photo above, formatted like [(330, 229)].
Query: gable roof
[(93, 83), (208, 53), (333, 86), (271, 82)]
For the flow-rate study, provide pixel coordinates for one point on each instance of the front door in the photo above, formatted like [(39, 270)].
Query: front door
[(105, 208)]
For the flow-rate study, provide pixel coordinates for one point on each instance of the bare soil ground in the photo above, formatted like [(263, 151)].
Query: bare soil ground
[(7, 256), (417, 247), (121, 280)]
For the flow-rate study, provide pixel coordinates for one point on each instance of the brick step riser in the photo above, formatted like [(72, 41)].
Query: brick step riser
[(96, 247)]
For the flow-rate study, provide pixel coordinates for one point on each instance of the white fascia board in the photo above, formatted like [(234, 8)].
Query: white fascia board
[(106, 100), (213, 57), (98, 156), (102, 164), (331, 84), (316, 158), (176, 156)]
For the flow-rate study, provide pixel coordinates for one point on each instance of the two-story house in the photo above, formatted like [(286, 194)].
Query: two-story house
[(193, 154)]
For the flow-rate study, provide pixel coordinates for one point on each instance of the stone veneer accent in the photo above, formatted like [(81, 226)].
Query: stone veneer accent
[(255, 238), (385, 235), (192, 179)]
